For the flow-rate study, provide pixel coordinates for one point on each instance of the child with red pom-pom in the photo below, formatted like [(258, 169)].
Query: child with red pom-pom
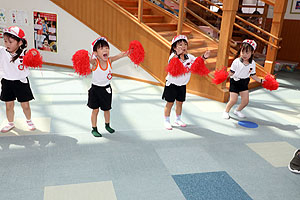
[(100, 93), (15, 82), (242, 68), (179, 74)]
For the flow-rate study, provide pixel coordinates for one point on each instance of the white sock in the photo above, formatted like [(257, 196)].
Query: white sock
[(167, 119), (178, 117)]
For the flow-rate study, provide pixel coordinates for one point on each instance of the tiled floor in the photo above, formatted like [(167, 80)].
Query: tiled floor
[(211, 158)]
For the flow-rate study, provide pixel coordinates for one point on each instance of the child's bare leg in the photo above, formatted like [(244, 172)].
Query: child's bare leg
[(94, 117), (26, 110), (232, 101), (244, 100), (107, 120), (167, 112), (168, 108), (10, 113), (178, 108)]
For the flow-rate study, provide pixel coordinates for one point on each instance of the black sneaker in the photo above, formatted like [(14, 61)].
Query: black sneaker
[(294, 165)]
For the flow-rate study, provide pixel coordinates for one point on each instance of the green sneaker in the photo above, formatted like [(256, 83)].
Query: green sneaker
[(108, 128), (96, 133)]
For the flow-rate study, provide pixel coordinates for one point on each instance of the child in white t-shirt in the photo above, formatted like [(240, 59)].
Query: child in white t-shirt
[(242, 68), (15, 82), (175, 88)]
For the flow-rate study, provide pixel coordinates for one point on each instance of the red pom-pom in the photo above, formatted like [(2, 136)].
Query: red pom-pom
[(220, 76), (175, 67), (33, 59), (270, 83), (199, 67), (136, 52), (81, 62)]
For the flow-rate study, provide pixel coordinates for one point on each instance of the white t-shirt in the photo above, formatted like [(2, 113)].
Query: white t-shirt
[(102, 77), (242, 71), (12, 70), (182, 79)]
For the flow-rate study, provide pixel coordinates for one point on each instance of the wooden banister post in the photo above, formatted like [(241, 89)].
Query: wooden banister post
[(180, 17), (140, 11), (277, 22), (228, 17)]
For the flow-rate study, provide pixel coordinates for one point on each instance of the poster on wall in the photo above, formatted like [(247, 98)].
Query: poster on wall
[(18, 17), (45, 31), (2, 16), (295, 7)]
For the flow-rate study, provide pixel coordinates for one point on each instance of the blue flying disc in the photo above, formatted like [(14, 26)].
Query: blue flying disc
[(248, 124)]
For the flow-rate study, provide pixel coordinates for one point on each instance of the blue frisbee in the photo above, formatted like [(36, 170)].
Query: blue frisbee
[(248, 124)]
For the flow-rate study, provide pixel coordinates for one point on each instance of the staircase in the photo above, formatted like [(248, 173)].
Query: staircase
[(117, 21)]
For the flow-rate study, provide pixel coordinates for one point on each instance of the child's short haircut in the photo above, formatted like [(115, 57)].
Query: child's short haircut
[(99, 44)]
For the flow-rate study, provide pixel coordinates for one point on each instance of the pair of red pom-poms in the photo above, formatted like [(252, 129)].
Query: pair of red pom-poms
[(81, 59), (33, 59), (269, 83), (176, 68)]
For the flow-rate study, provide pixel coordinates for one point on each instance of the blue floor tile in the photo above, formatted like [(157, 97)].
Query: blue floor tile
[(211, 185)]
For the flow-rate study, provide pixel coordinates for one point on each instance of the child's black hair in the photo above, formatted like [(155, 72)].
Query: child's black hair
[(247, 47), (20, 49), (100, 43), (173, 46)]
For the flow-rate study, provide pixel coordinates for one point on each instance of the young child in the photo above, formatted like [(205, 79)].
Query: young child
[(241, 69), (100, 94), (15, 82), (175, 88)]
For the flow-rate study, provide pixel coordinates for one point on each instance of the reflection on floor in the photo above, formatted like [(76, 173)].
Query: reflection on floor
[(211, 158)]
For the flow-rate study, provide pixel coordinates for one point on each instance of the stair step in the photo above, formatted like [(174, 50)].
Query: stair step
[(162, 26), (200, 51), (196, 43), (153, 18), (134, 10), (169, 35), (125, 3)]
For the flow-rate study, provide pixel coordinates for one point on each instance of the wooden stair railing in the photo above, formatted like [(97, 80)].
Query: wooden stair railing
[(120, 25)]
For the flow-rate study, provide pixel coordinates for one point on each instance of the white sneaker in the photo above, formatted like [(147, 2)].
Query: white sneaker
[(239, 114), (168, 125), (30, 125), (180, 123), (8, 127), (226, 115)]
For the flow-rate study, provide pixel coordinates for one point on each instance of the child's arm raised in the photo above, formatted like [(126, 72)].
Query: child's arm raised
[(93, 61), (120, 55)]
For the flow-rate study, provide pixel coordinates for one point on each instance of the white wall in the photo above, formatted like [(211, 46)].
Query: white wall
[(72, 35), (287, 15)]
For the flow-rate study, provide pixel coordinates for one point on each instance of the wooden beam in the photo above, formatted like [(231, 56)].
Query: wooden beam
[(229, 11), (140, 11), (180, 17), (277, 22)]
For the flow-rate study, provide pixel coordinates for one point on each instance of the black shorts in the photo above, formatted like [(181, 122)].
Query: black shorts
[(12, 90), (173, 92), (238, 86), (100, 97)]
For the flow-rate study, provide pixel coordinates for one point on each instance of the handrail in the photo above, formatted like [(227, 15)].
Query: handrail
[(254, 35), (168, 7), (238, 17), (257, 27)]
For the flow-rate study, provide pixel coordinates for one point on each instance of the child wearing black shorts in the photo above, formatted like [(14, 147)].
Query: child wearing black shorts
[(15, 82), (100, 93), (242, 68), (175, 88)]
